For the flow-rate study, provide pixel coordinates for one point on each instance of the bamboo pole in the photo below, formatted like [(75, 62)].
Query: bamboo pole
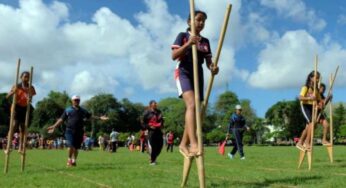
[(331, 135), (301, 158), (314, 116), (13, 111), (199, 160), (27, 120), (331, 85), (217, 56)]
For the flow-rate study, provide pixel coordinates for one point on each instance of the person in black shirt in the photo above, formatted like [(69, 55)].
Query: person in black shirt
[(237, 127), (153, 121), (75, 117)]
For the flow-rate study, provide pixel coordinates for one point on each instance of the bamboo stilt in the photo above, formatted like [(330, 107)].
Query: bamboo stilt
[(331, 135), (309, 159), (11, 128), (330, 153), (217, 57), (186, 170), (27, 121), (314, 116), (301, 158)]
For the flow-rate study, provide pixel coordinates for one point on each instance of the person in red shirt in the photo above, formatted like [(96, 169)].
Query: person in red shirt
[(22, 92), (170, 141), (142, 139)]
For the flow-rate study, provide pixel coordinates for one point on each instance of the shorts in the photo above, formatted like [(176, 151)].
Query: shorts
[(184, 82), (307, 112), (20, 116), (74, 138)]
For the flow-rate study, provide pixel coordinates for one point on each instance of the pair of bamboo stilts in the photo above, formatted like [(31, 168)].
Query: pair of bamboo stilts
[(200, 111), (316, 118), (12, 122)]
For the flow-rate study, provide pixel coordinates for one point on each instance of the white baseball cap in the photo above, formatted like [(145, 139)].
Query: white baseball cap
[(237, 107), (75, 97)]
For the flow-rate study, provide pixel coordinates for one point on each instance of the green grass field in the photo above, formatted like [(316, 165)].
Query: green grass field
[(263, 167)]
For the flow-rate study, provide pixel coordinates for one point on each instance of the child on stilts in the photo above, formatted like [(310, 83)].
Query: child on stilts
[(23, 93), (307, 97), (182, 52)]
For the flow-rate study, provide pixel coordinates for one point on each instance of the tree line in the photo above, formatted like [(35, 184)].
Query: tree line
[(125, 117)]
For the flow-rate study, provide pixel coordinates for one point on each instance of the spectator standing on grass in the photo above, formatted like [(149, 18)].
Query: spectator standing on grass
[(114, 139), (143, 140), (237, 127), (101, 142), (170, 141)]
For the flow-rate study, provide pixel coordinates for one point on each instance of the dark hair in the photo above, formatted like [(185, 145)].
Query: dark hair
[(24, 73), (311, 75), (196, 12), (151, 102), (324, 87)]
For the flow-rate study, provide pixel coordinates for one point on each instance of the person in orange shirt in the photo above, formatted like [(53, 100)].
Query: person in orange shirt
[(22, 91)]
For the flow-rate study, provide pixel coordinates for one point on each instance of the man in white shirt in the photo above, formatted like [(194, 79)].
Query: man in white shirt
[(114, 139)]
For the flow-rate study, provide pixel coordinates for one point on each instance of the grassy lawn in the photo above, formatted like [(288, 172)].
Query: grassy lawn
[(263, 167)]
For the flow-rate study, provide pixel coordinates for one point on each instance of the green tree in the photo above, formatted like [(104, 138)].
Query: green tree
[(103, 104), (224, 107), (4, 114), (173, 110), (286, 116), (47, 111), (339, 119), (130, 115), (258, 130), (226, 102)]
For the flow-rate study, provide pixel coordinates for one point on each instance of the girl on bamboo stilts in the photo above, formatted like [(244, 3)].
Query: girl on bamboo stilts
[(182, 52), (22, 91), (307, 97)]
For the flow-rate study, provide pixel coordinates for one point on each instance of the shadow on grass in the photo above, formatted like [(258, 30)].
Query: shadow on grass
[(293, 181)]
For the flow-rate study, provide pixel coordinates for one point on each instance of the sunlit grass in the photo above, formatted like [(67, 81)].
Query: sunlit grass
[(263, 167)]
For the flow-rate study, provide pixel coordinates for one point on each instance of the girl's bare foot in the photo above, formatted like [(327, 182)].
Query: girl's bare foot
[(325, 143), (194, 152), (184, 151)]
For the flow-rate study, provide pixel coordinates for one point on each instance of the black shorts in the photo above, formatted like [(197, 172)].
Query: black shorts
[(307, 112), (184, 82), (20, 116)]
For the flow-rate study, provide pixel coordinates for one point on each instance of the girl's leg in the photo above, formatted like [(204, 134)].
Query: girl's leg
[(303, 135), (190, 120), (308, 137), (183, 146), (325, 125)]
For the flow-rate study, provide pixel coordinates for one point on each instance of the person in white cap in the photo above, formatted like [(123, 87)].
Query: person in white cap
[(237, 127), (75, 116)]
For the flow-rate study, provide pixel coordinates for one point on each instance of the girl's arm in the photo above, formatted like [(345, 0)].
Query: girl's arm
[(13, 90), (211, 66), (307, 98), (178, 52)]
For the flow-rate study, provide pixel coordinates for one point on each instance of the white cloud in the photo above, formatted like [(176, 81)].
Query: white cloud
[(342, 19), (285, 62), (106, 52), (297, 11)]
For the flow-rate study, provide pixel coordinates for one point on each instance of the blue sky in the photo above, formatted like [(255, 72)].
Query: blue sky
[(123, 46)]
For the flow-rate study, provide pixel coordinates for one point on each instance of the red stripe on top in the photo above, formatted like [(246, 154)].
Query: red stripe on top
[(176, 74)]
